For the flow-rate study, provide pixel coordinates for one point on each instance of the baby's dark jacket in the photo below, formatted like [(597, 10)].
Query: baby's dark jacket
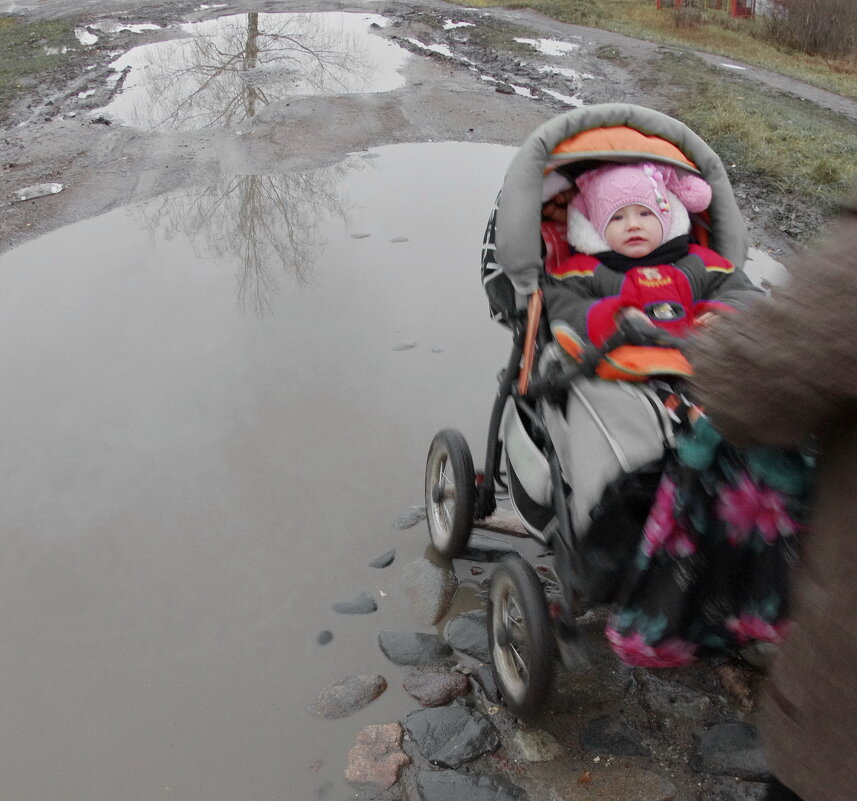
[(585, 293)]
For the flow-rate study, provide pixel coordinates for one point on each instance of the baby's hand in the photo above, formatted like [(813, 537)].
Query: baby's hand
[(705, 320)]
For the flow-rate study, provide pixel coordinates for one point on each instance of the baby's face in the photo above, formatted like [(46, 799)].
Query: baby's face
[(633, 231)]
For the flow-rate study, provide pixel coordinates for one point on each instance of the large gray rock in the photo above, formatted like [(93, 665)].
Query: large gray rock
[(415, 649), (468, 633), (434, 688), (342, 698), (447, 785), (451, 735), (481, 548), (730, 749), (429, 588)]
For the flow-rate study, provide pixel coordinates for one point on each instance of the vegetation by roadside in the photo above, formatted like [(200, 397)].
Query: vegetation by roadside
[(30, 50), (708, 30), (803, 158)]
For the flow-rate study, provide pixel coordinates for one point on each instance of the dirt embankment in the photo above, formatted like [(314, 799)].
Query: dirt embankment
[(484, 87)]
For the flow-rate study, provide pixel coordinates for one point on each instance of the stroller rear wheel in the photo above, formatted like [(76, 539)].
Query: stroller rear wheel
[(520, 637), (450, 492)]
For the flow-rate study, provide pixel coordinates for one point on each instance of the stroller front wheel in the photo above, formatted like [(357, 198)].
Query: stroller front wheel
[(450, 491), (520, 637)]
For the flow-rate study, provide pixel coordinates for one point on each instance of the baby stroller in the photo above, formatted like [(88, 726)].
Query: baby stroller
[(590, 513)]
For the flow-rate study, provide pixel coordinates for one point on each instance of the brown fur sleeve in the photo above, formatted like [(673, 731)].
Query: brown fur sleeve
[(778, 372)]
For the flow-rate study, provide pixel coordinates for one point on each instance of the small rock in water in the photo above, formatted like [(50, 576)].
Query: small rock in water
[(399, 239), (429, 588), (384, 560), (359, 236), (406, 344), (437, 349), (324, 637), (38, 190), (434, 688), (415, 649), (346, 696), (468, 633), (363, 604), (376, 759), (410, 518)]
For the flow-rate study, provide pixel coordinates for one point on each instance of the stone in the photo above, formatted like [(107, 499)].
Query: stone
[(449, 736), (362, 604), (415, 649), (405, 344), (481, 548), (468, 633), (447, 785), (346, 696), (324, 637), (484, 677), (413, 516), (731, 748), (384, 560), (429, 589), (536, 745), (435, 688), (376, 759), (612, 737)]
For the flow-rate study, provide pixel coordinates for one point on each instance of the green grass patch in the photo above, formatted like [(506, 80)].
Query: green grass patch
[(800, 154), (715, 32), (28, 50)]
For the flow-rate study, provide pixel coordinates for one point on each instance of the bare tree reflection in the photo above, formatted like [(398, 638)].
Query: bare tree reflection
[(270, 224), (231, 66)]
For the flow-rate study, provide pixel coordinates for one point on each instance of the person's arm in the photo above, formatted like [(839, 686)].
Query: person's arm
[(777, 372)]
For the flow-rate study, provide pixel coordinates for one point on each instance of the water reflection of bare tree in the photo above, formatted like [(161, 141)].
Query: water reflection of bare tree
[(221, 76), (270, 224)]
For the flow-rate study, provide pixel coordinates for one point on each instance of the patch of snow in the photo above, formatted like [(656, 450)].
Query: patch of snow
[(733, 67), (85, 37), (569, 101), (524, 91), (87, 93), (449, 24), (549, 47), (111, 26)]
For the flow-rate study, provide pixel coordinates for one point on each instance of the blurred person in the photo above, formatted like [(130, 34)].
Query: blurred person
[(783, 372)]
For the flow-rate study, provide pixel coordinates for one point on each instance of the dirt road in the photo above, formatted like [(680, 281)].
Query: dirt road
[(477, 84)]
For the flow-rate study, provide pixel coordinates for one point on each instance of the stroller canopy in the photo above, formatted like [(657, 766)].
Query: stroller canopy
[(577, 140)]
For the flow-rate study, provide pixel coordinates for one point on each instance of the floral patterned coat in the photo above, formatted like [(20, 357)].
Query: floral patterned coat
[(783, 371)]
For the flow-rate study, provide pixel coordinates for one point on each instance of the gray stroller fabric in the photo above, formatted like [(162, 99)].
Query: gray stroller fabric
[(608, 429)]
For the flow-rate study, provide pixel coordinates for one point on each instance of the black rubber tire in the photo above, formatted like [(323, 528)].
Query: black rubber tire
[(450, 490), (520, 637)]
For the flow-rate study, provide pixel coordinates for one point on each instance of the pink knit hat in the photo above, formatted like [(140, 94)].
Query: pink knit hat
[(605, 190)]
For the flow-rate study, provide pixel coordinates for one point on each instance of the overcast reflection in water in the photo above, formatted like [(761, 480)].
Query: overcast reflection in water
[(191, 484), (227, 69)]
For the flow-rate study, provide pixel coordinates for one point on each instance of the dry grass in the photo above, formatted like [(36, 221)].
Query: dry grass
[(740, 39)]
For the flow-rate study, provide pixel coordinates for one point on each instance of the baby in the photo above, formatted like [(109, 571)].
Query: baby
[(629, 225)]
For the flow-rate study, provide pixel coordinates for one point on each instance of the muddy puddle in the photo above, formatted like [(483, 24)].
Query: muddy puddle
[(213, 422), (225, 71)]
